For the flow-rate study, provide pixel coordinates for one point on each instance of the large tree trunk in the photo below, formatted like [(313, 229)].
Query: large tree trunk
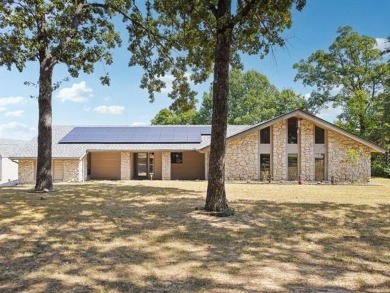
[(216, 195), (44, 179)]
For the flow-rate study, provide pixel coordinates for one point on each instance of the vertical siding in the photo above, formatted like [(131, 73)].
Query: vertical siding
[(192, 167)]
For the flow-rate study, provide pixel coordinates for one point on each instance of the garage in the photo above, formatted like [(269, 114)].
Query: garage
[(106, 166), (58, 171)]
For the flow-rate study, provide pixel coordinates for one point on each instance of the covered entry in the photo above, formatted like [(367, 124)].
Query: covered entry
[(105, 165)]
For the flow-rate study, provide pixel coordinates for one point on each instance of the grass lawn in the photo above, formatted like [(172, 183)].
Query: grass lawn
[(146, 236)]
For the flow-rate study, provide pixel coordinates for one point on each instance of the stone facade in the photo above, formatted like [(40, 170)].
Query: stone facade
[(26, 171), (166, 166), (279, 152), (348, 160), (125, 165), (242, 157), (71, 171), (307, 150)]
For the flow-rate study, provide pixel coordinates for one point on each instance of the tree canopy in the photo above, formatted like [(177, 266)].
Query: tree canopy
[(353, 75), (252, 99)]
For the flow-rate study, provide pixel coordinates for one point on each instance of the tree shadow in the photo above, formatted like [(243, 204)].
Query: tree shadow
[(121, 238)]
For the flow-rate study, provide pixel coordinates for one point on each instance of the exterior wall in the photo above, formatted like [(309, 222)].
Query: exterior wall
[(307, 150), (157, 166), (340, 167), (125, 165), (8, 170), (72, 170), (192, 167), (26, 171), (242, 158), (166, 166), (279, 153), (83, 169)]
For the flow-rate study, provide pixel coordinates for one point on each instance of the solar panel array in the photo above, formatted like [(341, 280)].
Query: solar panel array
[(163, 134)]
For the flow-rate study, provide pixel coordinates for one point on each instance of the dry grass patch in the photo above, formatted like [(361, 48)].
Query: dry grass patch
[(143, 236)]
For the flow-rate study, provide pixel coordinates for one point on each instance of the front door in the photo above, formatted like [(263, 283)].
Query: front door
[(144, 165)]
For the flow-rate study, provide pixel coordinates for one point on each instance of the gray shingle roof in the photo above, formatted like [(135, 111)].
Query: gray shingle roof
[(29, 149), (8, 146)]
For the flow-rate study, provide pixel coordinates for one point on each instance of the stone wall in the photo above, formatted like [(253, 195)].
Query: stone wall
[(166, 166), (242, 158), (71, 170), (348, 160), (125, 165), (26, 172), (279, 153), (307, 150)]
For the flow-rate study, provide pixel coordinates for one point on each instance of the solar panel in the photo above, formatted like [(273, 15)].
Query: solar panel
[(163, 134)]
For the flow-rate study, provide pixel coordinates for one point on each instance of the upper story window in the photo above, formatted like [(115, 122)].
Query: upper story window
[(319, 135), (265, 135), (292, 136)]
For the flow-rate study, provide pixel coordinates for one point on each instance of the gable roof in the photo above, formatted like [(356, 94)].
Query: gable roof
[(316, 120)]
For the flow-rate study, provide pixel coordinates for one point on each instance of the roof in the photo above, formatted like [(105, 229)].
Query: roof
[(7, 146), (78, 150), (316, 120)]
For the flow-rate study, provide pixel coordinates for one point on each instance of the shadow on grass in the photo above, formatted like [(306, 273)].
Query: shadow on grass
[(121, 238)]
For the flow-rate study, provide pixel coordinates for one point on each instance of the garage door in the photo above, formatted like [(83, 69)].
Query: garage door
[(106, 166), (58, 171)]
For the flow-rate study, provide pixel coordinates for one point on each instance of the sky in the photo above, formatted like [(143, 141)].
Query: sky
[(84, 101)]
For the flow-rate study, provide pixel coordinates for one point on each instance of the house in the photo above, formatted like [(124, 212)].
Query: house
[(8, 168), (292, 146)]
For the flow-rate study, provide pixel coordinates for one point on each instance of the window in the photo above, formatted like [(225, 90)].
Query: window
[(265, 135), (176, 158), (319, 134), (151, 163), (292, 130), (265, 167), (319, 167), (292, 167)]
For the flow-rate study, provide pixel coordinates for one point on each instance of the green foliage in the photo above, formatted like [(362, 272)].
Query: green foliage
[(353, 75), (252, 99), (76, 34), (189, 32)]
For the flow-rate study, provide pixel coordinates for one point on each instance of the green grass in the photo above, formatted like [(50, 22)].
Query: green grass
[(146, 236)]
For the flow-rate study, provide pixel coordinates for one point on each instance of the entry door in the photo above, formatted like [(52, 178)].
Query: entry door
[(320, 167), (58, 171), (145, 165)]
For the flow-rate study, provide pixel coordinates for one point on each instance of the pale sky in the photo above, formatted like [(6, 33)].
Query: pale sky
[(84, 101)]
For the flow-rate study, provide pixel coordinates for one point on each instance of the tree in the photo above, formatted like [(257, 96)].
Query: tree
[(252, 99), (74, 33), (169, 117), (204, 36), (351, 75)]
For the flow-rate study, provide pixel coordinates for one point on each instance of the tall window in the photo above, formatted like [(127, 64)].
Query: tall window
[(265, 167), (292, 167), (265, 135), (319, 135), (319, 167), (292, 130)]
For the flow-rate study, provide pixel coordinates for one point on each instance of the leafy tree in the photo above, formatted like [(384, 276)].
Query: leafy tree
[(201, 37), (352, 75), (74, 33), (169, 117), (252, 99)]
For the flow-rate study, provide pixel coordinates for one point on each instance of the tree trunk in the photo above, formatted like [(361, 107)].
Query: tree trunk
[(216, 195), (43, 178)]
